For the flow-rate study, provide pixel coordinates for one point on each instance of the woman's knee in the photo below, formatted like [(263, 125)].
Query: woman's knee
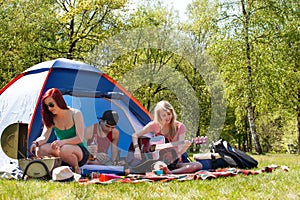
[(43, 150), (70, 151)]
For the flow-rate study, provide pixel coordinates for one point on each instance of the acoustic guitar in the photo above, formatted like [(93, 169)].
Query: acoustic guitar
[(159, 151)]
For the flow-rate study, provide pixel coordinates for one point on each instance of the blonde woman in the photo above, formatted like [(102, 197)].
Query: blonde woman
[(165, 124)]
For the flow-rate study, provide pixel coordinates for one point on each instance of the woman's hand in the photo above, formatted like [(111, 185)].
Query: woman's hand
[(33, 149), (56, 144), (187, 143)]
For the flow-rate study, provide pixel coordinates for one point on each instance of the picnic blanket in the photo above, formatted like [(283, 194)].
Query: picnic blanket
[(200, 175)]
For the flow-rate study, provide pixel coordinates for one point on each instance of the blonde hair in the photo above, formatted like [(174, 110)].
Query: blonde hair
[(166, 106)]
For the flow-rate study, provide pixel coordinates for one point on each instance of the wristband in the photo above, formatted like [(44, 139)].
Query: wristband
[(136, 146), (36, 143)]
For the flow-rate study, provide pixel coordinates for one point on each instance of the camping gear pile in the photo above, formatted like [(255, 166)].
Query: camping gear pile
[(223, 155)]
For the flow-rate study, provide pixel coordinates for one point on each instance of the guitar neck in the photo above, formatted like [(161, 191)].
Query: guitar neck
[(168, 145)]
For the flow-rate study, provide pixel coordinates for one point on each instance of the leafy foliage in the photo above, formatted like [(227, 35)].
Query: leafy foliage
[(210, 67)]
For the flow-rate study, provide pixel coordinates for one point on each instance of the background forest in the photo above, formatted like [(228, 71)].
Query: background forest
[(231, 69)]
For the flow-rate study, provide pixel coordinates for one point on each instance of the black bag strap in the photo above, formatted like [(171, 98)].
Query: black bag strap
[(48, 175)]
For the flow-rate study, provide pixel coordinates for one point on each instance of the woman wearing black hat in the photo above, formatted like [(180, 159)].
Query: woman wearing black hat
[(105, 134)]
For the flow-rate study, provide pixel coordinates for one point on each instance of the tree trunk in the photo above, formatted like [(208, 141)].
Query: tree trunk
[(245, 140), (250, 109), (253, 129), (298, 121)]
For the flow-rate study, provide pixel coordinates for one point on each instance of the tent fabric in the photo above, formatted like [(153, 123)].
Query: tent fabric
[(84, 87)]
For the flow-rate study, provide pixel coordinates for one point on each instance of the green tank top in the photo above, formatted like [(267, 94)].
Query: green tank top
[(68, 133)]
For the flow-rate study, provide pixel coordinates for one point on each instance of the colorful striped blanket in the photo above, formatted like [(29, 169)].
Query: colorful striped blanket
[(200, 175)]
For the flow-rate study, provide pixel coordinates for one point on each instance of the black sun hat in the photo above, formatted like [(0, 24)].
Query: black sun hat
[(111, 117)]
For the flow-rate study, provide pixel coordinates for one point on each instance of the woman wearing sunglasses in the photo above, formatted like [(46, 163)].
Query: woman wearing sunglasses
[(68, 127)]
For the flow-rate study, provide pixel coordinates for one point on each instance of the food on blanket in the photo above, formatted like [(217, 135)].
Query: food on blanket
[(107, 177), (94, 175)]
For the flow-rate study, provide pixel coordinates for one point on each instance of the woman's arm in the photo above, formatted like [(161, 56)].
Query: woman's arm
[(150, 127), (180, 134), (44, 136), (41, 140), (88, 132), (79, 125)]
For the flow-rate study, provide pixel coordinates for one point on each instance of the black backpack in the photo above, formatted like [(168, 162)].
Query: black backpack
[(233, 157)]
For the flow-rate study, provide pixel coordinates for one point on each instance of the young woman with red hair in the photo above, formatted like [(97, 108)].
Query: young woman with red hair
[(68, 126)]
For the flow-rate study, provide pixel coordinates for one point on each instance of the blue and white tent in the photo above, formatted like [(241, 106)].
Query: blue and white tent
[(84, 87)]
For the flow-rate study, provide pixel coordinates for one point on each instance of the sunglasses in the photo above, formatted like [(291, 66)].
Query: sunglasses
[(51, 105)]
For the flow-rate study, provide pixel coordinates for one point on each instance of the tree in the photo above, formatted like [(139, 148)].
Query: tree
[(151, 61), (283, 90), (201, 28), (257, 51), (50, 29), (245, 28), (83, 24), (21, 36)]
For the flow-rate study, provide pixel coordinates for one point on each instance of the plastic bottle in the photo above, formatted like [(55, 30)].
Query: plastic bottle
[(93, 148)]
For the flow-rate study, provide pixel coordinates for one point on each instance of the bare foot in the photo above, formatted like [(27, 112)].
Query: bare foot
[(159, 165), (166, 170)]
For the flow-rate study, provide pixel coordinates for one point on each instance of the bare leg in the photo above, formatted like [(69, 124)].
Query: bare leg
[(71, 154), (46, 150), (184, 168), (181, 168)]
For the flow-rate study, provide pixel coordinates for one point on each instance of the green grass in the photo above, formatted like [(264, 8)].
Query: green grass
[(275, 185)]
